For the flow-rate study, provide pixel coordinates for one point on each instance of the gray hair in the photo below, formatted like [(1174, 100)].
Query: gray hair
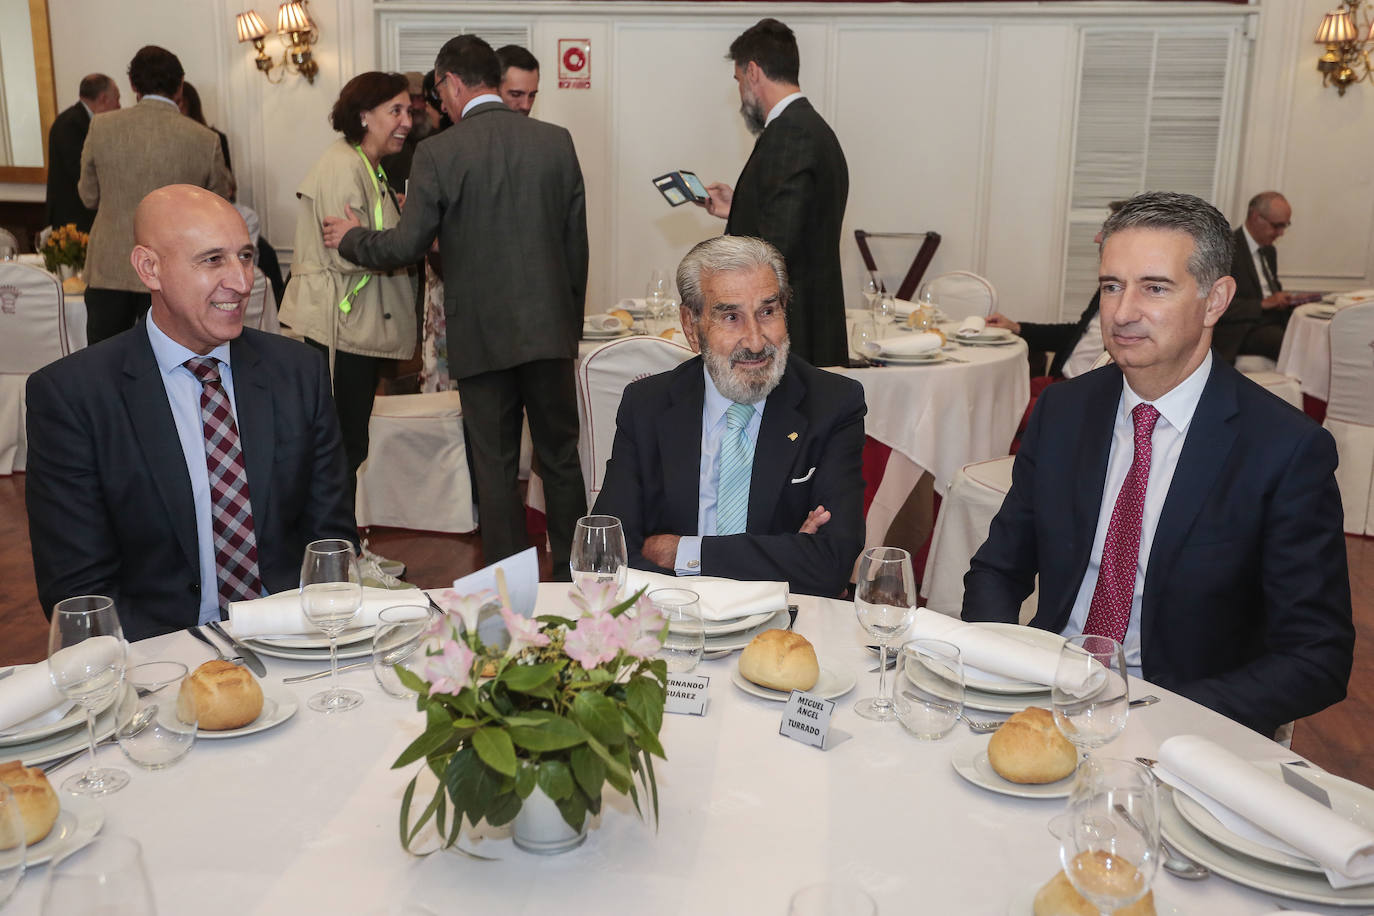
[(724, 254), (1213, 245), (1261, 202)]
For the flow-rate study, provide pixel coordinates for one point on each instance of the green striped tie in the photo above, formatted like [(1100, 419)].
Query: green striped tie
[(735, 465)]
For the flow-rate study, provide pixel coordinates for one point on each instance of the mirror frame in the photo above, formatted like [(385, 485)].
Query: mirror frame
[(47, 95)]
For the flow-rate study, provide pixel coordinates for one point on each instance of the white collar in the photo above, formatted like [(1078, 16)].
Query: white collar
[(781, 104), (170, 354), (160, 98), (482, 99), (1250, 240), (87, 107), (717, 404), (1178, 404)]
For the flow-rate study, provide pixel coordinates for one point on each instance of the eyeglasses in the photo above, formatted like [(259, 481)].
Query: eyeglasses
[(1280, 226)]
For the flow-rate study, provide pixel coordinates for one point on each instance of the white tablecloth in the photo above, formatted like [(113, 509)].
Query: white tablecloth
[(303, 818), (1306, 351)]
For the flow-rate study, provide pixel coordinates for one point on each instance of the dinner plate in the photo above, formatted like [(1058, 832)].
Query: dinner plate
[(77, 823), (1023, 904), (278, 705), (48, 723), (1282, 882), (735, 624), (356, 650), (970, 761), (588, 334), (60, 745), (923, 359), (1004, 702), (1322, 311), (988, 682), (1349, 799), (346, 638), (985, 341), (742, 638), (829, 685)]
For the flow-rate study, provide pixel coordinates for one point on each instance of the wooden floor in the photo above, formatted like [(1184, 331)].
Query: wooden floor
[(1341, 739)]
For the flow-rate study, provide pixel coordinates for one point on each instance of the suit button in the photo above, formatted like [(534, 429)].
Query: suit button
[(193, 587), (386, 315)]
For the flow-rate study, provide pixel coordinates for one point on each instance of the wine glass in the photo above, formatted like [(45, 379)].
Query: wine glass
[(102, 876), (870, 289), (929, 690), (331, 596), (160, 726), (884, 309), (831, 898), (1091, 696), (885, 602), (401, 631), (12, 848), (686, 639), (863, 338), (598, 552), (86, 658), (1109, 836), (657, 296)]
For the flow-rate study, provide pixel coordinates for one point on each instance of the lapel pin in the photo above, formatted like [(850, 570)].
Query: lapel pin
[(792, 436)]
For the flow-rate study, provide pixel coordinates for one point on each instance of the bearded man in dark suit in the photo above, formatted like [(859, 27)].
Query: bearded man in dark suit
[(97, 94), (793, 189)]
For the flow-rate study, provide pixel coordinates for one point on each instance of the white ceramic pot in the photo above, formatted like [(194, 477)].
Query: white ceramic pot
[(540, 828)]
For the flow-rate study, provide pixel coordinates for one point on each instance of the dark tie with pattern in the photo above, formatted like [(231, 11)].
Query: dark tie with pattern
[(1110, 611), (1270, 259), (231, 512)]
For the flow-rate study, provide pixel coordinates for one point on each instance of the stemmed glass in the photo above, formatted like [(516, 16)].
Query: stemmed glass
[(598, 552), (1109, 836), (870, 290), (86, 658), (105, 875), (863, 338), (884, 310), (657, 296), (331, 596), (885, 602), (12, 848), (1091, 696)]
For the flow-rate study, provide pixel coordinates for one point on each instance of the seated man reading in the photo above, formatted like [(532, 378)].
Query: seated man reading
[(743, 462)]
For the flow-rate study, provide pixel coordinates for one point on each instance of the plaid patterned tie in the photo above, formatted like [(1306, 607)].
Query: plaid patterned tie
[(735, 465), (231, 514), (1110, 610)]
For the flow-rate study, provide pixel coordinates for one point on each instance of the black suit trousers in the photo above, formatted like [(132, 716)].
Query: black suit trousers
[(112, 311)]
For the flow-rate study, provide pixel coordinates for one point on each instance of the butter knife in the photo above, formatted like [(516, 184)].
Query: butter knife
[(246, 655)]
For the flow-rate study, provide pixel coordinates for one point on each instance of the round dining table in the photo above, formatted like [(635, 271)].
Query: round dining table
[(302, 818), (1305, 353)]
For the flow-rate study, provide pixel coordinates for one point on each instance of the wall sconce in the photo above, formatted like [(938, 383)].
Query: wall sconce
[(297, 32), (1347, 36)]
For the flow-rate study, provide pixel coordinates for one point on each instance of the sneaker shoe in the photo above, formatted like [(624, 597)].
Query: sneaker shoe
[(386, 572)]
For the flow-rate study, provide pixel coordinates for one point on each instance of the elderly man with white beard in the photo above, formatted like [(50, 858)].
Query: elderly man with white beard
[(744, 462)]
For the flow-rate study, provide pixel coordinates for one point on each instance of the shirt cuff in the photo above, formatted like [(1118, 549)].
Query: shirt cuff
[(688, 561)]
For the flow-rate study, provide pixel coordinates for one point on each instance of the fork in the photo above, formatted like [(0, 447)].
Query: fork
[(195, 631), (980, 726)]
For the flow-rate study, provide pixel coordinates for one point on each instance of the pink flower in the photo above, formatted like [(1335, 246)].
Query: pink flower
[(596, 640), (523, 631), (450, 670), (642, 633), (594, 598)]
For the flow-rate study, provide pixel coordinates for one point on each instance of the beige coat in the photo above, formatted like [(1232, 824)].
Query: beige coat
[(129, 153), (382, 320)]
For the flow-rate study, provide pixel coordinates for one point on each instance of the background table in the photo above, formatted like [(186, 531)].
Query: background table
[(303, 818), (1306, 350)]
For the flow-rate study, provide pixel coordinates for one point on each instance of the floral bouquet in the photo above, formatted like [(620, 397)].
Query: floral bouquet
[(567, 706), (65, 247)]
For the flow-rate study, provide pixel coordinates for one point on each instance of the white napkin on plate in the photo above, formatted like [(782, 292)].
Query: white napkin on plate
[(1259, 807), (721, 599), (26, 693), (988, 650), (905, 307), (603, 323), (632, 305), (281, 614), (910, 345), (972, 326)]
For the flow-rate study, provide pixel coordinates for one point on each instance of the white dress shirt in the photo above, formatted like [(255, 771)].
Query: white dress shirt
[(782, 103), (1260, 267), (1176, 410), (1086, 351), (482, 99)]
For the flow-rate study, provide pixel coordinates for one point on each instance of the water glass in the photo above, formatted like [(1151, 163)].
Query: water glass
[(930, 688), (832, 898), (105, 876), (86, 658), (7, 254), (885, 603), (598, 552), (12, 849), (331, 596), (159, 729), (686, 638), (1091, 697), (401, 631), (1109, 835), (863, 338)]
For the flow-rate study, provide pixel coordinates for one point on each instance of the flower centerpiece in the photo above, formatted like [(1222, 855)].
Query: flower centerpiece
[(65, 247), (570, 704)]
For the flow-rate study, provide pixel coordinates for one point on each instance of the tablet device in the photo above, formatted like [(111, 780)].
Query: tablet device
[(680, 187)]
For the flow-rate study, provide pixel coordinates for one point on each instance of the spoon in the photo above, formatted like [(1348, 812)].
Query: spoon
[(1175, 862)]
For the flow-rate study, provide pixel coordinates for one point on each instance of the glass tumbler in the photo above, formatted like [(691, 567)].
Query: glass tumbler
[(686, 638), (159, 728), (401, 631)]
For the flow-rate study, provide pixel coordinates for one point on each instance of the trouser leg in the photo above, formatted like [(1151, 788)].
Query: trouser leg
[(491, 422), (355, 389), (112, 311), (549, 391)]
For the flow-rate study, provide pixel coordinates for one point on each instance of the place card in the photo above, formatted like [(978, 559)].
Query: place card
[(687, 694), (806, 718)]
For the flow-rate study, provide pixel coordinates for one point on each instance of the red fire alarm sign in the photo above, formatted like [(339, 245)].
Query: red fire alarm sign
[(574, 63)]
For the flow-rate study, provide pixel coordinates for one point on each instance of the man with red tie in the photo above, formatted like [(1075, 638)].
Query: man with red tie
[(1168, 502)]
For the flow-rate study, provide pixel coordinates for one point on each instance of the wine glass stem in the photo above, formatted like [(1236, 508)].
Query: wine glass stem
[(90, 735), (334, 661), (882, 673)]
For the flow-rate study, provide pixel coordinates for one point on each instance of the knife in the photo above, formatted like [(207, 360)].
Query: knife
[(246, 655)]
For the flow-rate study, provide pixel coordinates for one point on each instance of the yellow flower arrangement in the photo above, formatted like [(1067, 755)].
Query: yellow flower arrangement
[(66, 246)]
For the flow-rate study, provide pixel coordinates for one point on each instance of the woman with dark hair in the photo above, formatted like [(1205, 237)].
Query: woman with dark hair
[(358, 316), (190, 106)]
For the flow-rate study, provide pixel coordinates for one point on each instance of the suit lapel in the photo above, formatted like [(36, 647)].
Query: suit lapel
[(1248, 261), (781, 431), (679, 446), (1090, 474), (256, 422)]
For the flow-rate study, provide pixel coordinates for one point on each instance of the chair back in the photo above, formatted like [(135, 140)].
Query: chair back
[(1352, 365), (960, 294), (33, 322), (601, 380)]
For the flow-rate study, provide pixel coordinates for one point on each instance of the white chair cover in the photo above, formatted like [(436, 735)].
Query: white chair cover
[(1285, 386), (965, 516), (33, 333), (1249, 363), (601, 379), (416, 472), (1350, 413), (960, 294)]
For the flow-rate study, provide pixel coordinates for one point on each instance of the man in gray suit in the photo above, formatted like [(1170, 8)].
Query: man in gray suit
[(504, 195), (129, 153)]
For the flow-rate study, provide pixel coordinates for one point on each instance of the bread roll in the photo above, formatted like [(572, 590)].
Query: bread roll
[(780, 659), (1058, 898), (668, 333), (1028, 748), (624, 316), (222, 694), (37, 802)]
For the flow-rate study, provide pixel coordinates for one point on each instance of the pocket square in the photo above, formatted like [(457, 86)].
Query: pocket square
[(804, 479)]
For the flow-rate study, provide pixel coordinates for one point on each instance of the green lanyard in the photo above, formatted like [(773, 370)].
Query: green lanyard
[(346, 305)]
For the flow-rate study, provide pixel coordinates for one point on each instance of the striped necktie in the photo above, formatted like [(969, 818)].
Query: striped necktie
[(734, 466)]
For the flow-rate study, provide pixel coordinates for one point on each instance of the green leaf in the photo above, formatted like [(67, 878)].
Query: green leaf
[(554, 734), (555, 779), (588, 769), (471, 784), (643, 736), (574, 809), (522, 678), (646, 698), (503, 809), (494, 746), (599, 717), (412, 681), (616, 773), (653, 786), (438, 730), (525, 779), (405, 812)]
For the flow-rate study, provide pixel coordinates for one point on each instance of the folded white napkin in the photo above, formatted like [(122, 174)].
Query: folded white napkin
[(26, 693), (603, 323), (972, 326), (1354, 296), (910, 345), (988, 650), (281, 614), (1259, 807), (631, 305), (721, 599), (905, 306)]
